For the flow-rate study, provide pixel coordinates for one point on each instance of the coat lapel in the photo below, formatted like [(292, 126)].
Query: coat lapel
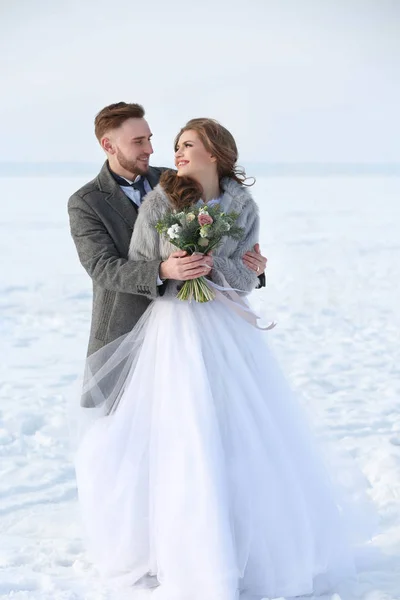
[(116, 198), (122, 205), (153, 177)]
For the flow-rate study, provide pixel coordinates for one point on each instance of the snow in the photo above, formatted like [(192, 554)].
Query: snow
[(333, 286)]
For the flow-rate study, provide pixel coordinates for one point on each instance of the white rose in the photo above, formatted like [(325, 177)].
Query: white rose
[(204, 242), (174, 231)]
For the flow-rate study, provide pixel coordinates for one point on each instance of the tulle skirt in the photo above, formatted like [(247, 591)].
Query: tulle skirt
[(196, 470)]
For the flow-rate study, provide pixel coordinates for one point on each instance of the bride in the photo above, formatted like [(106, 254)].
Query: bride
[(198, 477)]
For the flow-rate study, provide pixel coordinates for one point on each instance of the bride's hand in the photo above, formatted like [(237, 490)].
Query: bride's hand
[(255, 261), (182, 267)]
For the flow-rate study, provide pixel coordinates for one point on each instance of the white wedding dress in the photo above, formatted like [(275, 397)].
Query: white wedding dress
[(203, 479)]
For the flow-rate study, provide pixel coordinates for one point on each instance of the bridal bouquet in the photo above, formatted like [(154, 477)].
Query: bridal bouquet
[(198, 229)]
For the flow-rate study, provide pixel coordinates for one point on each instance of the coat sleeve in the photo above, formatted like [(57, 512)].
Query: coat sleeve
[(101, 259), (231, 266)]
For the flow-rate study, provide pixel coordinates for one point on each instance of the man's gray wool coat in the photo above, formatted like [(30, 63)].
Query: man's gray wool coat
[(102, 220)]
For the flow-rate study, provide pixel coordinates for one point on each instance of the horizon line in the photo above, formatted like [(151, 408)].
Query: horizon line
[(276, 168)]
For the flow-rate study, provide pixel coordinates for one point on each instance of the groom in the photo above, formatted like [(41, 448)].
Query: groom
[(102, 216)]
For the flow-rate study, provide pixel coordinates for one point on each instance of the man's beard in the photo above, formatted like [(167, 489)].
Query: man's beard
[(131, 166)]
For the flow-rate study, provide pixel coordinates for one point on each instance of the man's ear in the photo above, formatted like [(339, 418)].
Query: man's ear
[(107, 145)]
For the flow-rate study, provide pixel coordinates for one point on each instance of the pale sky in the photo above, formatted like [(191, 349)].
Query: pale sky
[(294, 80)]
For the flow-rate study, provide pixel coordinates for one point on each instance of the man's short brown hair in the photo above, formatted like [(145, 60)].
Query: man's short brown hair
[(114, 115)]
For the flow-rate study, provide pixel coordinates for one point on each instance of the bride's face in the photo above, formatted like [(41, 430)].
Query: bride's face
[(191, 157)]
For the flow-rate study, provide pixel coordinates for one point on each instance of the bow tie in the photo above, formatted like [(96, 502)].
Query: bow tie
[(139, 185), (136, 185)]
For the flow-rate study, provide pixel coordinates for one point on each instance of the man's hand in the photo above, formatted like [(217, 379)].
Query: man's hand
[(255, 261), (182, 267)]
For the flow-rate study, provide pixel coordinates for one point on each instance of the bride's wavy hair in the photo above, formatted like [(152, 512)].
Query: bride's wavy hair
[(219, 142)]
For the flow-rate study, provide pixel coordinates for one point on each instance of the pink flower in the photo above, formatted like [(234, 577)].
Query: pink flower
[(204, 219)]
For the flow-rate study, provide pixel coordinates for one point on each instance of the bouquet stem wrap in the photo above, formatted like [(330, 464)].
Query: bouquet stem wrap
[(196, 289)]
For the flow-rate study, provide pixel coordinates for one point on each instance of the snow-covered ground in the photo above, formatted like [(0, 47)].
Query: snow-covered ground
[(333, 286)]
